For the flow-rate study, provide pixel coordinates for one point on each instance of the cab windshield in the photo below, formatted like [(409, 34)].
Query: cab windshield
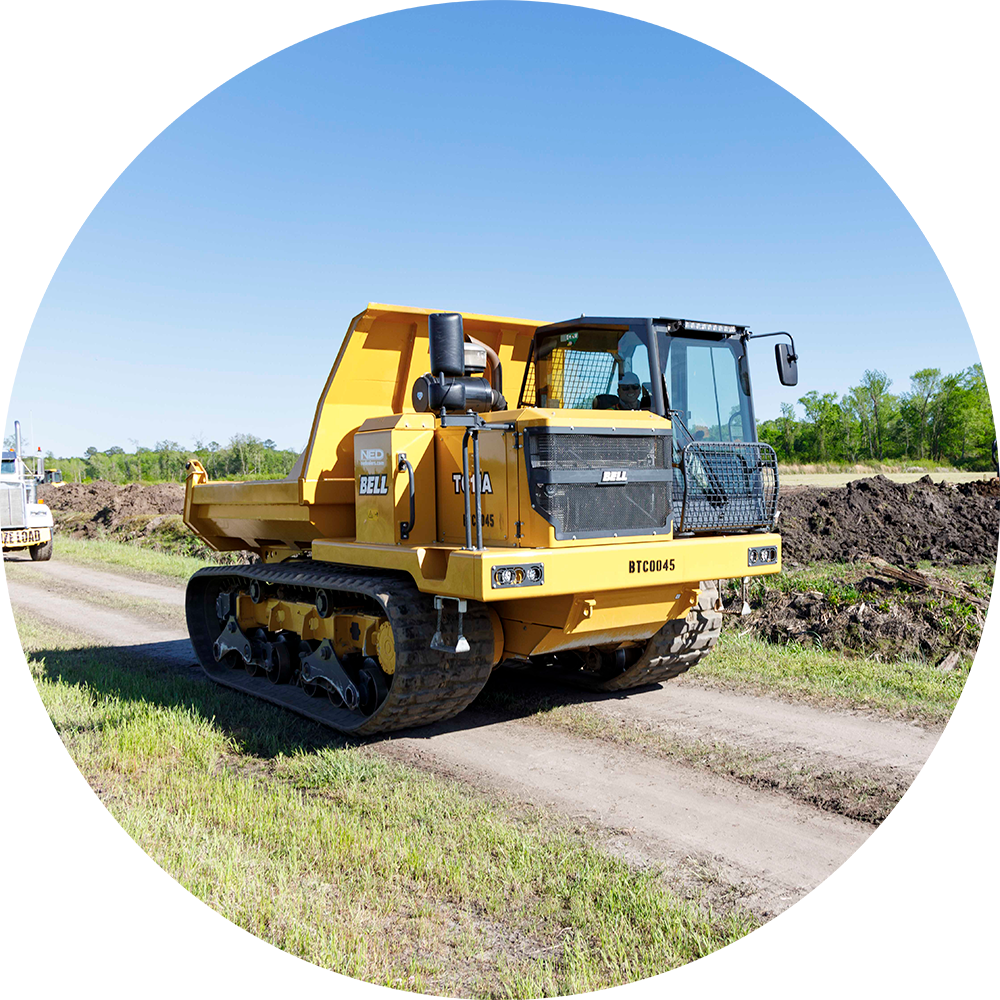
[(598, 369), (705, 389)]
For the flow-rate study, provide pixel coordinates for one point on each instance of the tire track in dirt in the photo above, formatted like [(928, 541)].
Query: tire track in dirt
[(800, 732), (94, 579), (649, 810), (765, 849)]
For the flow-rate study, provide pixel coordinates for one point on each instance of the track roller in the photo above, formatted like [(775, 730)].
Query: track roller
[(305, 630)]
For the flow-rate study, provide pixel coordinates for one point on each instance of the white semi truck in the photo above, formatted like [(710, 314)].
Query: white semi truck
[(25, 523)]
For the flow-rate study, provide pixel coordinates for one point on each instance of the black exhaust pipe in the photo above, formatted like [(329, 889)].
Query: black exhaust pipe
[(447, 344)]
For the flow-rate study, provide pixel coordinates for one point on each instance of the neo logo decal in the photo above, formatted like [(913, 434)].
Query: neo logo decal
[(371, 459), (373, 485), (612, 477), (487, 486)]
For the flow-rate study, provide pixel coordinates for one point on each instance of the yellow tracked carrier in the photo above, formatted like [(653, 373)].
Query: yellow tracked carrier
[(480, 490)]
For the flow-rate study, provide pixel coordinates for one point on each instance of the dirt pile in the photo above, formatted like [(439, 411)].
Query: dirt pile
[(147, 515), (985, 487), (878, 620), (77, 505), (903, 523)]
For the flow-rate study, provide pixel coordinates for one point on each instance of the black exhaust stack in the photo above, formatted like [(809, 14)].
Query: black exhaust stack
[(447, 387), (447, 344)]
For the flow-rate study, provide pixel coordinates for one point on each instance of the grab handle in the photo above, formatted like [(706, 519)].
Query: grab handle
[(405, 527)]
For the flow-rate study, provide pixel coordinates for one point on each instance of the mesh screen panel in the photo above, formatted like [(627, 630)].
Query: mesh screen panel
[(727, 486), (598, 451), (580, 507), (576, 507), (573, 378)]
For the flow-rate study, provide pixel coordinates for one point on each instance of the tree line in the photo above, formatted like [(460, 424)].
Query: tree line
[(943, 418), (244, 457)]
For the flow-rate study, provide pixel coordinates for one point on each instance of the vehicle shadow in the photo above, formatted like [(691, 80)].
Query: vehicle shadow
[(167, 674)]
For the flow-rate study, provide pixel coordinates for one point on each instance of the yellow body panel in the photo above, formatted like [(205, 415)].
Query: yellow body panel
[(382, 491), (594, 618), (493, 496)]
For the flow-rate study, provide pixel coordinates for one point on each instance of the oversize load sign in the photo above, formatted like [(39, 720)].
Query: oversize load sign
[(27, 536)]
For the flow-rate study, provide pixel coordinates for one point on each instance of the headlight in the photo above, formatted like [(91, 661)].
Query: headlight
[(532, 575)]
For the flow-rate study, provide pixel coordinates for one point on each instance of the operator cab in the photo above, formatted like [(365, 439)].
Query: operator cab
[(695, 373)]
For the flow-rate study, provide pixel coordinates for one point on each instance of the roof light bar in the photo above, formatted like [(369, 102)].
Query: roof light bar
[(708, 327)]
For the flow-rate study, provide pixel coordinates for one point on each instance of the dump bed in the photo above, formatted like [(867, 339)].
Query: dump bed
[(384, 351)]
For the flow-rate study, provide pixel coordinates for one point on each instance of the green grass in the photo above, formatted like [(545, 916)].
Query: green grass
[(351, 861), (905, 688), (126, 556), (868, 467)]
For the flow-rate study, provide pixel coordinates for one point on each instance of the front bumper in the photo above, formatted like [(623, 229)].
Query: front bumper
[(453, 572)]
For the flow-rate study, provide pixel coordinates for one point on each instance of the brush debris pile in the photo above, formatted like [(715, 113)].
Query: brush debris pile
[(865, 616)]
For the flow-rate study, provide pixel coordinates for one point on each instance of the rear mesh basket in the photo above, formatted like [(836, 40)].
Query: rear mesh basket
[(726, 487)]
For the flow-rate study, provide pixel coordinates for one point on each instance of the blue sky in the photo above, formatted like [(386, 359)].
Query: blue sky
[(520, 159)]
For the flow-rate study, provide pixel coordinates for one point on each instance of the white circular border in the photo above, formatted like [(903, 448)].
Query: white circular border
[(88, 86)]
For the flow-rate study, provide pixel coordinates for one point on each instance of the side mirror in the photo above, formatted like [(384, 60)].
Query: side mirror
[(788, 364)]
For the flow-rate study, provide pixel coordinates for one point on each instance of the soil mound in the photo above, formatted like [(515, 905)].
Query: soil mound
[(902, 523), (984, 488), (146, 515)]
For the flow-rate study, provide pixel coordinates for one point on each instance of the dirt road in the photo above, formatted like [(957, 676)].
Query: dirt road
[(752, 844)]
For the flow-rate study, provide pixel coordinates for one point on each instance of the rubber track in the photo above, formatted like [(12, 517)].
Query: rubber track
[(677, 647), (427, 686)]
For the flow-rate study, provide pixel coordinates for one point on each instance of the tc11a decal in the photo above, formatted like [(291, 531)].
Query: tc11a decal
[(456, 478), (373, 485)]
